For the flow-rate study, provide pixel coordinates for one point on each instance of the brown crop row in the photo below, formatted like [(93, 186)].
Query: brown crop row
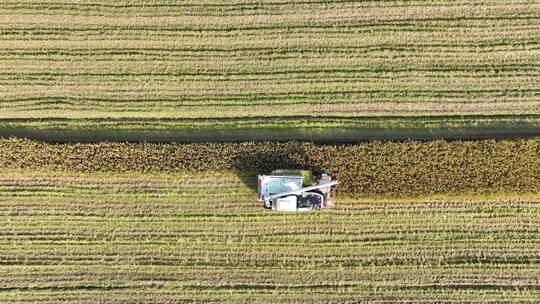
[(375, 168)]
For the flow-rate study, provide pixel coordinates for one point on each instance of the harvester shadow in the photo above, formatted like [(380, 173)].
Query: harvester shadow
[(248, 165)]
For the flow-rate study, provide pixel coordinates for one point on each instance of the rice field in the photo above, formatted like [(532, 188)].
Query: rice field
[(131, 134), (375, 169), (172, 238), (432, 222), (281, 70)]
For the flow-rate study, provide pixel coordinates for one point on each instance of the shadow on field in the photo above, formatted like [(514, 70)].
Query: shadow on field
[(248, 166)]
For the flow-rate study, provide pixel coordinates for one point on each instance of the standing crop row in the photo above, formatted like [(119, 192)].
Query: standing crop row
[(377, 168)]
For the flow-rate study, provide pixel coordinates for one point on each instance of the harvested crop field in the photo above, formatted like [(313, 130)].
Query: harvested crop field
[(432, 222), (132, 134), (170, 238), (323, 71)]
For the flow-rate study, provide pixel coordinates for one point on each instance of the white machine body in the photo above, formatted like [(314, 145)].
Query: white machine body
[(286, 203), (285, 193), (268, 185)]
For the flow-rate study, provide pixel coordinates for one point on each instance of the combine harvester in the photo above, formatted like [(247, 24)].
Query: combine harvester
[(285, 192)]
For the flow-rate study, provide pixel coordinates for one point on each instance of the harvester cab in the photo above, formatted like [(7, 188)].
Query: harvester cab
[(295, 192)]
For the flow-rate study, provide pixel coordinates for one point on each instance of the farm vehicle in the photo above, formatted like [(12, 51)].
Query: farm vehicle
[(295, 192)]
